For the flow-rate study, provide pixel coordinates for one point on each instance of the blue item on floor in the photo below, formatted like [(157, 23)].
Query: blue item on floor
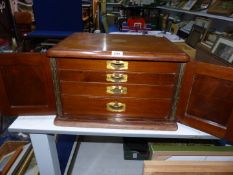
[(64, 147), (113, 28)]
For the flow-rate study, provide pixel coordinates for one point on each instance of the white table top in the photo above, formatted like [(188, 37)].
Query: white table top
[(45, 125)]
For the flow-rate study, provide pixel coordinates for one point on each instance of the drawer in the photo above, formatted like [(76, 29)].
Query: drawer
[(129, 66), (108, 108), (118, 77), (126, 90)]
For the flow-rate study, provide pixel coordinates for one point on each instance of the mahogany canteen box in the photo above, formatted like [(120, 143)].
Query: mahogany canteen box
[(119, 81), (116, 81)]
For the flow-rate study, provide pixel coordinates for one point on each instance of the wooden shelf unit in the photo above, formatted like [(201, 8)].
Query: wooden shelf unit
[(199, 13)]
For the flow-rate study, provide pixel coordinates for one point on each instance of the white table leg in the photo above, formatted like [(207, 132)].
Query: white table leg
[(46, 154)]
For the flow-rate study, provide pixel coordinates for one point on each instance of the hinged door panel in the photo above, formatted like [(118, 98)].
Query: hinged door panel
[(206, 98), (26, 84)]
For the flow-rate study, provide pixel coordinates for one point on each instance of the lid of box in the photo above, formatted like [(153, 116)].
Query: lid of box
[(128, 47)]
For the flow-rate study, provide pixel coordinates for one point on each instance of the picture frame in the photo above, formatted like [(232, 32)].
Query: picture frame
[(195, 35), (20, 159), (189, 5), (174, 3), (174, 28), (203, 22), (7, 159), (29, 166), (209, 39), (181, 3), (221, 7), (4, 160), (5, 21), (223, 49), (205, 4), (201, 5)]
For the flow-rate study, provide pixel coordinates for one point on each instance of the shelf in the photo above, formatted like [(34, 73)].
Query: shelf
[(200, 13), (139, 6), (112, 3), (115, 12)]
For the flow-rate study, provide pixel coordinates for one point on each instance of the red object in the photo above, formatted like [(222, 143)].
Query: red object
[(3, 41), (138, 23)]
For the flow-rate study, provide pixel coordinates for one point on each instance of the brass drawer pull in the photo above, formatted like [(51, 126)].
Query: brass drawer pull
[(116, 90), (115, 107), (117, 65), (117, 78)]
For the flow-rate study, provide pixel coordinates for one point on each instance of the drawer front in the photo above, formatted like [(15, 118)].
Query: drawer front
[(108, 108), (118, 77), (101, 89), (126, 90), (129, 66)]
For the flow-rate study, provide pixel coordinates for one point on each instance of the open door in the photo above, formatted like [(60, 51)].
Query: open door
[(206, 99), (26, 86)]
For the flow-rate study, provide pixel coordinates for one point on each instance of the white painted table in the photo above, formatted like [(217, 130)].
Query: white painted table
[(42, 133)]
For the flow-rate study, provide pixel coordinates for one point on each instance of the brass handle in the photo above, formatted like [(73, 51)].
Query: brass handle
[(115, 107), (117, 65), (117, 78), (116, 90)]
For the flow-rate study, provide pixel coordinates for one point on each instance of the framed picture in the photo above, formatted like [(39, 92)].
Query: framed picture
[(209, 39), (6, 24), (195, 35), (189, 4), (29, 166), (203, 22), (174, 28), (174, 3), (224, 49), (221, 7), (6, 160), (181, 3), (201, 5)]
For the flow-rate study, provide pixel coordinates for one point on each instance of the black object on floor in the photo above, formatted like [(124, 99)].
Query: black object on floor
[(136, 149)]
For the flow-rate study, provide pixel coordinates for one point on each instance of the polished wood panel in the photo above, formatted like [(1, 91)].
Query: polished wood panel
[(188, 167), (211, 98), (133, 78), (133, 66), (127, 123), (100, 46), (100, 89), (95, 107), (26, 84), (206, 100)]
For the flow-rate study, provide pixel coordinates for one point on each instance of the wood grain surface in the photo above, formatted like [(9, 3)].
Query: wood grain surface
[(206, 100), (135, 107), (188, 167), (26, 84), (96, 46)]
